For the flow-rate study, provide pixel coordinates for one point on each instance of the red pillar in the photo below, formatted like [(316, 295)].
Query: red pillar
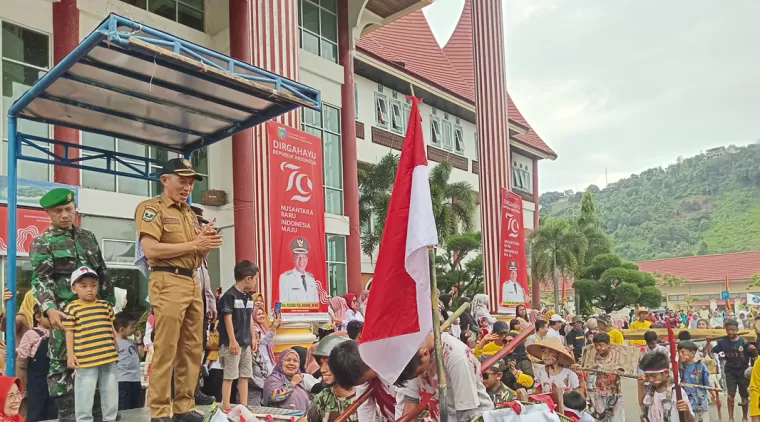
[(493, 132), (65, 38), (536, 287), (242, 142), (348, 131)]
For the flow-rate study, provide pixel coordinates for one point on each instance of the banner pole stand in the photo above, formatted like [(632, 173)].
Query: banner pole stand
[(442, 387)]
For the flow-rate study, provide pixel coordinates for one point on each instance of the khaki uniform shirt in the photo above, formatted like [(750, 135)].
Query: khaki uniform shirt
[(168, 222)]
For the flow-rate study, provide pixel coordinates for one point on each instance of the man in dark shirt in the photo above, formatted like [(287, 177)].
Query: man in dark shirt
[(737, 351), (236, 306), (575, 337)]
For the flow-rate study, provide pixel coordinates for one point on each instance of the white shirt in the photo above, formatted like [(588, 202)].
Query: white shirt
[(566, 378), (352, 315), (554, 333), (656, 409), (465, 390), (292, 288), (512, 292)]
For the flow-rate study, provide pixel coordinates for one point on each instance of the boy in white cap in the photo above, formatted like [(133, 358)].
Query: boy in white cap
[(91, 347)]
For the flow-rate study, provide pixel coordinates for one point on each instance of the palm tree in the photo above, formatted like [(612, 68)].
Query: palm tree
[(453, 203), (558, 248), (375, 185)]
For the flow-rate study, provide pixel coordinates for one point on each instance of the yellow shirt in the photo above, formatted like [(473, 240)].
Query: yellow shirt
[(91, 323), (639, 324), (616, 337), (490, 349), (754, 389)]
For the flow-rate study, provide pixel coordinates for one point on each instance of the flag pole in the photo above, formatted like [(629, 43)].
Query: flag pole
[(442, 387)]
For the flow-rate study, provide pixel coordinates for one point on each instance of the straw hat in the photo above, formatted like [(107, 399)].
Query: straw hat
[(564, 358), (642, 310)]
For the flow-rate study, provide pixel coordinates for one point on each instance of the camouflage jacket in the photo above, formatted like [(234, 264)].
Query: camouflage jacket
[(502, 395), (55, 254), (326, 407)]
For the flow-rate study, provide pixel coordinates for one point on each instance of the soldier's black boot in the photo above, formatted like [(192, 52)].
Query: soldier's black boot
[(66, 409)]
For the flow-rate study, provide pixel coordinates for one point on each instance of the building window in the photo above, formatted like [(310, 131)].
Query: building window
[(117, 243), (318, 23), (447, 135), (435, 130), (458, 140), (356, 102), (25, 58), (326, 125), (676, 298), (381, 110), (131, 185), (521, 177), (187, 12), (397, 125), (336, 264), (407, 112)]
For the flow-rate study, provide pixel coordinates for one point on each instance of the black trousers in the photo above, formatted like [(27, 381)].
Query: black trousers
[(130, 395)]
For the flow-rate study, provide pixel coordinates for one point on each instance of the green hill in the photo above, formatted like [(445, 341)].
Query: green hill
[(705, 204)]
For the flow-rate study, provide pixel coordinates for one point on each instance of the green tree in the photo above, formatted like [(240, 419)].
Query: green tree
[(558, 248), (375, 185), (452, 265), (703, 250), (588, 222), (453, 203), (755, 281), (611, 284), (669, 280)]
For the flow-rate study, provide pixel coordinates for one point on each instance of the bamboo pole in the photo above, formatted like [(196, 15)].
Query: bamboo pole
[(343, 417), (683, 384), (442, 387), (453, 317)]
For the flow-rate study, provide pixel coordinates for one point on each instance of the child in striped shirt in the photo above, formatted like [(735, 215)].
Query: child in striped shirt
[(91, 347)]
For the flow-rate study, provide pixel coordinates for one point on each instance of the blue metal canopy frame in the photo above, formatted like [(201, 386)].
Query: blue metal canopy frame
[(129, 81)]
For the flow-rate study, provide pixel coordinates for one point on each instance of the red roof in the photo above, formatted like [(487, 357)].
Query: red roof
[(738, 266), (410, 44)]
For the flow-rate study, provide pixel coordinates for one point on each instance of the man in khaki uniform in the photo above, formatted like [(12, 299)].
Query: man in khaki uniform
[(175, 246)]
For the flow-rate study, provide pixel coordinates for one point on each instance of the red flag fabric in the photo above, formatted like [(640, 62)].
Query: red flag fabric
[(399, 314)]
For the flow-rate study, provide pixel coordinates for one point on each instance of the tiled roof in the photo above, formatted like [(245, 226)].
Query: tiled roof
[(738, 266), (410, 44)]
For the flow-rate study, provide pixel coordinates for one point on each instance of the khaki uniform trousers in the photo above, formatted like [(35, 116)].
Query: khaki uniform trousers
[(178, 343)]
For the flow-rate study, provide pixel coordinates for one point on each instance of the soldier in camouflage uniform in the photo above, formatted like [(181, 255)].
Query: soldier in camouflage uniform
[(55, 254)]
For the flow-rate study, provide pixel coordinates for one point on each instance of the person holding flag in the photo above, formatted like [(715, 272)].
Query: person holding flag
[(397, 339)]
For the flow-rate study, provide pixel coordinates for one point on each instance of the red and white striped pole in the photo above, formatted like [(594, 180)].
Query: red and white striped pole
[(265, 33), (493, 132)]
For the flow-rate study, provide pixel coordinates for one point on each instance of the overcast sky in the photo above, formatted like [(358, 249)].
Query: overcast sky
[(628, 84)]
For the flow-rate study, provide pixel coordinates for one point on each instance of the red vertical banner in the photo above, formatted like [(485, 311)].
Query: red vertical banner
[(513, 271), (297, 215)]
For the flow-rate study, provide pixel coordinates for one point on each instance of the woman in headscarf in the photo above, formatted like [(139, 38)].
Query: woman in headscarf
[(10, 397), (259, 302), (480, 310), (339, 308), (24, 317), (445, 308), (266, 336), (284, 387), (352, 313), (121, 299)]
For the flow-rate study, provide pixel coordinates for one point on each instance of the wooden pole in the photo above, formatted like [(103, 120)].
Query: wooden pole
[(453, 317), (343, 417), (442, 387), (676, 372)]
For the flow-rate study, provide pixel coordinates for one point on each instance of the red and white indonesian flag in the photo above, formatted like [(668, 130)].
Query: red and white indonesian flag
[(399, 313)]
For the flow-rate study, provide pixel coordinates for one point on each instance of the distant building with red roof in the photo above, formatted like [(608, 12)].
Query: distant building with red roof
[(706, 276)]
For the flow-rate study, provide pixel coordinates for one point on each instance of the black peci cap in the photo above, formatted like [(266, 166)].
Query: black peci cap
[(180, 167)]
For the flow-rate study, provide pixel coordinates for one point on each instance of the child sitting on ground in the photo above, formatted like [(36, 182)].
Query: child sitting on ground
[(130, 353), (91, 347)]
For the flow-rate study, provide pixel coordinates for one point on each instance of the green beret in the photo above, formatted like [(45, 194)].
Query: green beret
[(57, 196)]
